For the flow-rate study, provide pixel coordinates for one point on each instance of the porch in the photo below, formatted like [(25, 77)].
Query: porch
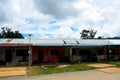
[(94, 54), (12, 55)]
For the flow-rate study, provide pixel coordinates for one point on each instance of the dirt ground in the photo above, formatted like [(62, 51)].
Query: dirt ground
[(107, 68), (98, 65), (110, 70), (79, 75), (12, 71)]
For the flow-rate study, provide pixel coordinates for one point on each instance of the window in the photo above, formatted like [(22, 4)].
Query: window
[(85, 52), (100, 52), (22, 52), (73, 52), (54, 52)]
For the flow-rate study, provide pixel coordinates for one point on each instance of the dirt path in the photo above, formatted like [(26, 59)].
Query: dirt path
[(101, 65), (107, 68), (12, 71), (80, 75)]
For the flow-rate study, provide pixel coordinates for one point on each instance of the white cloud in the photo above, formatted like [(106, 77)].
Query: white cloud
[(59, 9), (33, 16), (81, 5)]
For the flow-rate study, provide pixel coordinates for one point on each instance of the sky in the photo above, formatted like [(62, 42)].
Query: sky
[(58, 19)]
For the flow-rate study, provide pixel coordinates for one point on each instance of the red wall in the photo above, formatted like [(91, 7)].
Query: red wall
[(47, 57)]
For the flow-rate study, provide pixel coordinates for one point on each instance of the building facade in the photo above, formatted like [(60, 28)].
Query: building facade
[(54, 51)]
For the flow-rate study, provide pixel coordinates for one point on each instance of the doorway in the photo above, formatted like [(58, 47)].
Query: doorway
[(88, 56), (8, 55), (40, 55)]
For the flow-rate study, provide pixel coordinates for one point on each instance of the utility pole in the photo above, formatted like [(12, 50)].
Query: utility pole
[(29, 53), (109, 50)]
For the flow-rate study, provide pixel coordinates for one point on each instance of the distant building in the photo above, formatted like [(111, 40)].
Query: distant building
[(58, 50)]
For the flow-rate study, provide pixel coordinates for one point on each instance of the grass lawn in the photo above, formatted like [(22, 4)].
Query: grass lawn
[(49, 69), (117, 63)]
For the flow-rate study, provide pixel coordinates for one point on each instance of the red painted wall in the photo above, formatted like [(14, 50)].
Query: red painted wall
[(47, 57)]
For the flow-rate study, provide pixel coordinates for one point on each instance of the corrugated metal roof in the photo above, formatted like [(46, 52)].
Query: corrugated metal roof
[(62, 42), (13, 45), (117, 42), (33, 41), (93, 41)]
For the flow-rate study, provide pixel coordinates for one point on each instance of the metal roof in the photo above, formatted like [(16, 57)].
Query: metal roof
[(13, 45), (61, 42)]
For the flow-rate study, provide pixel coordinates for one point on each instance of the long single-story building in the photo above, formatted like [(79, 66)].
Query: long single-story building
[(59, 50)]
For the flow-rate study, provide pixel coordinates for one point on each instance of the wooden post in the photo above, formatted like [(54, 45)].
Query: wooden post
[(117, 53), (104, 53), (70, 53), (118, 50)]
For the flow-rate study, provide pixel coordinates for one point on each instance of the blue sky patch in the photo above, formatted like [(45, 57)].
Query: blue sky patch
[(55, 27), (27, 36), (2, 40), (73, 28), (34, 28), (49, 35), (30, 21), (52, 22), (52, 28)]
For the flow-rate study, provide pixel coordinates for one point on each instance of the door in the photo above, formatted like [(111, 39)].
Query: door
[(40, 55), (8, 55)]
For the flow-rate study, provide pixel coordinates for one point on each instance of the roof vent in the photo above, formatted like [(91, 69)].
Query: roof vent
[(64, 42), (77, 41)]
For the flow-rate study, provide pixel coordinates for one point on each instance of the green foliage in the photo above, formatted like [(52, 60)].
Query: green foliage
[(100, 37), (88, 34), (37, 70), (8, 33)]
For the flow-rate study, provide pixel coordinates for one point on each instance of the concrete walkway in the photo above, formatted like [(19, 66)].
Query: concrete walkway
[(81, 75)]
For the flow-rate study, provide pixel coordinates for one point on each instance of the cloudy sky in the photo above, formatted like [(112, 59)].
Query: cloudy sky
[(61, 18)]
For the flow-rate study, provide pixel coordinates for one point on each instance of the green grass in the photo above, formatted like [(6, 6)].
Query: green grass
[(37, 70), (117, 63)]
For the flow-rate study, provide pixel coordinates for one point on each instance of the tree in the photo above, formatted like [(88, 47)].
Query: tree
[(84, 34), (100, 37), (8, 33), (88, 34)]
